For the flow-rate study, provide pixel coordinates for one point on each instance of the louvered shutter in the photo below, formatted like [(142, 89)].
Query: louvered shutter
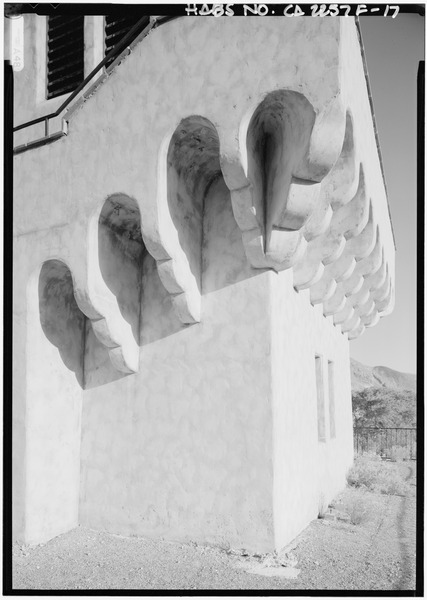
[(65, 54), (116, 27)]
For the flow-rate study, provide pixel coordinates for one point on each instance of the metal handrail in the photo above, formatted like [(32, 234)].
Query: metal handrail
[(114, 52)]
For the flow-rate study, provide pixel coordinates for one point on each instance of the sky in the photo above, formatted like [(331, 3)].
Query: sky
[(393, 49)]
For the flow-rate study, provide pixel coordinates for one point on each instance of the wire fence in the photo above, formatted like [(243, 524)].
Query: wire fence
[(387, 442)]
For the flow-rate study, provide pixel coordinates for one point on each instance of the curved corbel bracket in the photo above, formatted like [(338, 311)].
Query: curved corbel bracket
[(347, 221), (343, 268), (386, 305), (344, 315), (233, 161), (322, 291), (99, 304), (339, 271), (356, 332), (363, 244), (336, 303), (351, 323), (359, 298), (344, 289), (320, 219), (382, 291), (308, 272), (367, 307), (275, 181), (371, 264), (321, 251), (161, 238), (341, 184), (352, 285), (350, 220), (370, 320), (337, 188), (376, 280), (326, 141)]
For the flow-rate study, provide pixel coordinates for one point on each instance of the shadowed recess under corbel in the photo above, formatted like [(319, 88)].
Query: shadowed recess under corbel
[(278, 189)]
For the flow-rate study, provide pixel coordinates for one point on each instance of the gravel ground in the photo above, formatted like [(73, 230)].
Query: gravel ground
[(330, 554)]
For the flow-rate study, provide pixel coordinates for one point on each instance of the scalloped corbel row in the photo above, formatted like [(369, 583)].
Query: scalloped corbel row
[(162, 241), (343, 268), (100, 305), (337, 188), (340, 185), (275, 183), (328, 248), (374, 297)]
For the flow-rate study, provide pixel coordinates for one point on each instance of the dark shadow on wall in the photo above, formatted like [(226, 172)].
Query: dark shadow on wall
[(193, 164), (98, 367), (61, 319), (224, 261), (158, 319), (67, 328), (121, 252), (278, 142)]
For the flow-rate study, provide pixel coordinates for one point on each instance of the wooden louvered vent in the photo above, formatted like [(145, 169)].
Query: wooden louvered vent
[(116, 27), (65, 54)]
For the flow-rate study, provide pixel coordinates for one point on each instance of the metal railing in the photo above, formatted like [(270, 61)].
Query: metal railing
[(387, 442), (140, 27)]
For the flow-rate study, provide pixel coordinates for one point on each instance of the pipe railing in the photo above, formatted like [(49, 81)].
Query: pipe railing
[(140, 27)]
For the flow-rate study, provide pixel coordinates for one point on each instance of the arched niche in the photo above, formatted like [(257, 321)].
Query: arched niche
[(192, 166), (278, 141), (121, 251), (62, 321)]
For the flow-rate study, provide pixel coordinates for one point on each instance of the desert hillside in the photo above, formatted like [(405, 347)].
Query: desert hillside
[(363, 376)]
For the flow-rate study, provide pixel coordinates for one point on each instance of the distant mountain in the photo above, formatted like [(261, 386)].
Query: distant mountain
[(382, 397), (363, 376)]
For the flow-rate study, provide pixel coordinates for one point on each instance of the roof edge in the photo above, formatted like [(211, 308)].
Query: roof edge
[(371, 103)]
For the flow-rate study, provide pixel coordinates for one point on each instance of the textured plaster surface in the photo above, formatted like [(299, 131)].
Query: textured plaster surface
[(183, 448), (120, 254), (199, 400), (118, 111), (53, 411), (307, 472)]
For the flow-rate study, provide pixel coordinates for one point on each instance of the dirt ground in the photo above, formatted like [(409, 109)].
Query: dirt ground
[(330, 554)]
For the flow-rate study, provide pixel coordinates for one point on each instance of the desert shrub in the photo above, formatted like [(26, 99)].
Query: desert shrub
[(398, 453), (357, 507), (364, 472), (390, 481), (371, 456), (377, 476)]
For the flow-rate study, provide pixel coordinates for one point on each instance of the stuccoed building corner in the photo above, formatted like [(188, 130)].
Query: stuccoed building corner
[(197, 237)]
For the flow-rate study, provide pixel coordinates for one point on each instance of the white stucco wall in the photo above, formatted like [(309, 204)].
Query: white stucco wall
[(183, 448), (214, 436), (55, 338), (307, 472)]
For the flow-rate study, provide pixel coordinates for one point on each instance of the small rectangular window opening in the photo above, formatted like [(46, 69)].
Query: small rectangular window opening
[(331, 386), (321, 425), (65, 54)]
